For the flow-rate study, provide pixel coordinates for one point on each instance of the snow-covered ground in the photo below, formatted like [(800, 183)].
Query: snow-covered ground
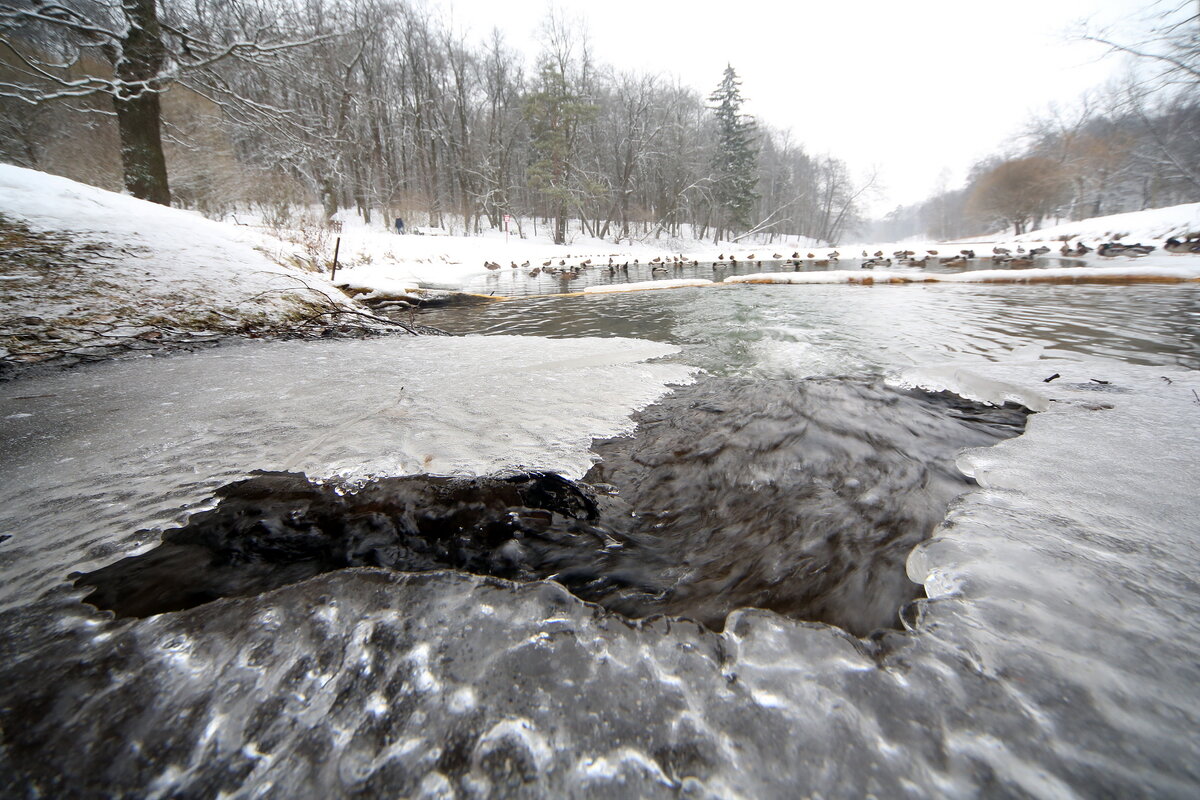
[(1151, 225), (385, 264), (84, 269)]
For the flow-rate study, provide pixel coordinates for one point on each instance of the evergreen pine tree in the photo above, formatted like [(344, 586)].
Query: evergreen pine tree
[(736, 162), (555, 113)]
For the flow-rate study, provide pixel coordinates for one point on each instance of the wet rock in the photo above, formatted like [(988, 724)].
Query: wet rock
[(800, 497), (276, 528)]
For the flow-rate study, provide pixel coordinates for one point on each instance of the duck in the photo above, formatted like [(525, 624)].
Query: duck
[(533, 273), (932, 252), (1039, 251), (834, 255), (1020, 261), (547, 262), (1173, 245), (491, 265), (796, 254), (776, 256), (750, 257), (1001, 251)]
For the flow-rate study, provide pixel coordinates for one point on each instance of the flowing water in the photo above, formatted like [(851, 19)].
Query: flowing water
[(832, 330), (721, 471)]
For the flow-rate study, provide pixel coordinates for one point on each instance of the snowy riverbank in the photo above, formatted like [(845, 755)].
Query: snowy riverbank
[(87, 273)]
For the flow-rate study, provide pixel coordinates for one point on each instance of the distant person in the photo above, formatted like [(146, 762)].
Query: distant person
[(399, 225)]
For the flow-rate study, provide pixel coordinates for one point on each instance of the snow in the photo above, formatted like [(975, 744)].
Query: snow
[(382, 261), (1150, 269), (640, 286), (1148, 225), (147, 266)]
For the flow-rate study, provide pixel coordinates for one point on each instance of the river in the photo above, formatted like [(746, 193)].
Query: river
[(1042, 643)]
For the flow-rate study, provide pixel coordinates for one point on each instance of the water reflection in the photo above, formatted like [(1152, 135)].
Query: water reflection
[(556, 280)]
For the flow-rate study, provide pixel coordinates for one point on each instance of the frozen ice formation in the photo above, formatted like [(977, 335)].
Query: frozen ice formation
[(1055, 656)]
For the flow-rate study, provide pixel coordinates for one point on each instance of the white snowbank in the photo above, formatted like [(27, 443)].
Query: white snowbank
[(1157, 270), (641, 286), (1150, 225), (378, 286), (149, 265)]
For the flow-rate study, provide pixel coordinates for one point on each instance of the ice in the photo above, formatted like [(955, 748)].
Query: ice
[(1054, 657), (157, 434), (1154, 269), (640, 286)]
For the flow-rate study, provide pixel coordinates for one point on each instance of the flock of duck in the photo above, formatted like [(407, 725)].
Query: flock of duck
[(567, 271), (1020, 257)]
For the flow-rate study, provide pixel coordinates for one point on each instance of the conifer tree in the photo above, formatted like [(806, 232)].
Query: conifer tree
[(555, 113), (736, 160)]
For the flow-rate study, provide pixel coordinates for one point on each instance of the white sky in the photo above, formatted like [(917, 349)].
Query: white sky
[(908, 86)]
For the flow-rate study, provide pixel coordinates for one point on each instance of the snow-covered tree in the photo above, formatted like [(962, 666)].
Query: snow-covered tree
[(52, 47)]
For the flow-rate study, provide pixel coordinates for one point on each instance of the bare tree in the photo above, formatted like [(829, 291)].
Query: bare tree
[(1020, 191), (143, 55)]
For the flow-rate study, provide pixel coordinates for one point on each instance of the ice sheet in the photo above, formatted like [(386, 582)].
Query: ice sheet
[(1054, 658)]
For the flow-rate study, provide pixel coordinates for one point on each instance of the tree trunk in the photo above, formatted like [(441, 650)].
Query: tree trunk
[(560, 224), (142, 157), (137, 106)]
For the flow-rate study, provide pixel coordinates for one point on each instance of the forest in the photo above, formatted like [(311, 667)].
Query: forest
[(386, 108)]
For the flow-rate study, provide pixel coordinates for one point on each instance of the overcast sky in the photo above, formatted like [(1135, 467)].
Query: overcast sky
[(908, 86)]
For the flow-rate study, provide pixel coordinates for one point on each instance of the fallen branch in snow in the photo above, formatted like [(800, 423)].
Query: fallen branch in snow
[(335, 308), (415, 330)]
